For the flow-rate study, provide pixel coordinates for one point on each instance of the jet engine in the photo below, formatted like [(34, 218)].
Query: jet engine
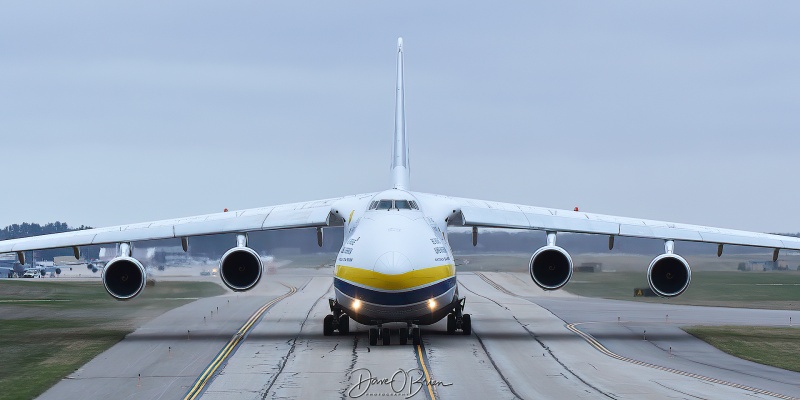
[(551, 267), (240, 268), (124, 278), (669, 275)]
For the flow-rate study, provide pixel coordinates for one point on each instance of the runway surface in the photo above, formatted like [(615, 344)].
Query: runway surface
[(525, 344)]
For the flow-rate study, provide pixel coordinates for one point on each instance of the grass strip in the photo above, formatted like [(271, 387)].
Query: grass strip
[(778, 290), (43, 342), (773, 346), (38, 353)]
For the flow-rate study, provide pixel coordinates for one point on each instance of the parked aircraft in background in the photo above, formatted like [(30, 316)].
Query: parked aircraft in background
[(17, 270), (396, 264), (11, 270)]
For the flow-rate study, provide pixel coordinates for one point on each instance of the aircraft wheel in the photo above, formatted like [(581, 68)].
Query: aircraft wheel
[(415, 336), (403, 336), (373, 336), (451, 323), (466, 324), (386, 336), (344, 324), (327, 325)]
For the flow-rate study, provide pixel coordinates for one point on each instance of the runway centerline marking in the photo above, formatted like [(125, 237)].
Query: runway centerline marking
[(230, 348)]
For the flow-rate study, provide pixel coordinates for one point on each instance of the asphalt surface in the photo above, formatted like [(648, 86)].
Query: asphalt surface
[(163, 358), (525, 344)]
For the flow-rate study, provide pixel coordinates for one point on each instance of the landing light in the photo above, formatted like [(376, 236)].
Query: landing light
[(356, 304), (432, 304)]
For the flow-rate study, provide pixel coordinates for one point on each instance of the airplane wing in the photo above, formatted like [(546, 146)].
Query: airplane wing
[(297, 215), (490, 214)]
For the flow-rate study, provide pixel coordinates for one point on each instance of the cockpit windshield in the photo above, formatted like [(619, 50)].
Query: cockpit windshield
[(384, 205), (394, 205)]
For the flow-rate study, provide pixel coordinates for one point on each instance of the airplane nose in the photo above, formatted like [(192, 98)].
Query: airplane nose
[(393, 262)]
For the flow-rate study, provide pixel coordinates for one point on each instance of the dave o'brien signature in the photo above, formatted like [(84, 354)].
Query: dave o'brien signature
[(401, 383)]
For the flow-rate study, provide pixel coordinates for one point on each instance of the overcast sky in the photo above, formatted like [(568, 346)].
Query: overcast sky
[(130, 111)]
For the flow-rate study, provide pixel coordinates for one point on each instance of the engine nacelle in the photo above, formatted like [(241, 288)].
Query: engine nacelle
[(124, 278), (240, 268), (551, 267), (669, 275)]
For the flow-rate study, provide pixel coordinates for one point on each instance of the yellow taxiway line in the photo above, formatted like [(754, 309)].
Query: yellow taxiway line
[(223, 354), (597, 345), (425, 370)]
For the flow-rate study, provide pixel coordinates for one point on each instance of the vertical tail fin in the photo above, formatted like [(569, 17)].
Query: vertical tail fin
[(400, 166)]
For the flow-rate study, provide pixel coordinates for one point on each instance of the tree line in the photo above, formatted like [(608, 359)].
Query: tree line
[(25, 229)]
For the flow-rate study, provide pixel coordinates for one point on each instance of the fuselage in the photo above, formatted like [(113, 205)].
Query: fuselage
[(395, 264)]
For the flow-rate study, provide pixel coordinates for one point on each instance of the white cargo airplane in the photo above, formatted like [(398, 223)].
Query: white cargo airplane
[(396, 265)]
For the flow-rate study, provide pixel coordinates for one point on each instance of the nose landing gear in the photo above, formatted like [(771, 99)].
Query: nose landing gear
[(384, 335), (415, 336)]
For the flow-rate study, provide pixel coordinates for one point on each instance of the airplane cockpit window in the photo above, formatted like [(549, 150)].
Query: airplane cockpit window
[(394, 205), (384, 205)]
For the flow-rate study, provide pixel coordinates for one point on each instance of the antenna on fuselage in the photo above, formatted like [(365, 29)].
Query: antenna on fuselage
[(400, 166)]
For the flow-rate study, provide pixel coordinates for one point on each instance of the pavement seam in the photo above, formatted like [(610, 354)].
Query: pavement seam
[(486, 351), (349, 372), (533, 335), (549, 351), (491, 360), (598, 346), (676, 390), (230, 348), (285, 359)]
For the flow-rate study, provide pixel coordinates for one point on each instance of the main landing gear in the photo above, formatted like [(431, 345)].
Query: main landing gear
[(336, 321), (458, 320), (384, 335)]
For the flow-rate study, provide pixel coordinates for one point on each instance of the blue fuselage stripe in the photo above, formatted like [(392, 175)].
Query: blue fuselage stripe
[(394, 298)]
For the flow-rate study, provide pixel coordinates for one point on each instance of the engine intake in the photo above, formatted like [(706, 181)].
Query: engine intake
[(669, 275), (551, 267), (240, 268), (124, 278)]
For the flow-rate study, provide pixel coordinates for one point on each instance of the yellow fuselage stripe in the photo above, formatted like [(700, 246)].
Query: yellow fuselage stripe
[(407, 280)]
